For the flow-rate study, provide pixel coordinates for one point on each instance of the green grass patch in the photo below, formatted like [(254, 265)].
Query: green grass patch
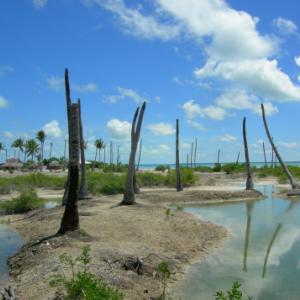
[(27, 201), (82, 284)]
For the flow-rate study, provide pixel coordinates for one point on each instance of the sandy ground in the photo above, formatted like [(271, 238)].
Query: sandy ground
[(118, 235)]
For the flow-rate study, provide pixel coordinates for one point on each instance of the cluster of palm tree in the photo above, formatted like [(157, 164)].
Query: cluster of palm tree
[(30, 147)]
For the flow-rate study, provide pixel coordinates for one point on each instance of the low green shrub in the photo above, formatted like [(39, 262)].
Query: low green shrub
[(162, 168), (83, 284), (231, 168), (217, 167), (27, 201), (234, 293)]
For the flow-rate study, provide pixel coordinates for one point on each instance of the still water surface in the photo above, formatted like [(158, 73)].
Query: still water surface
[(10, 242), (263, 252)]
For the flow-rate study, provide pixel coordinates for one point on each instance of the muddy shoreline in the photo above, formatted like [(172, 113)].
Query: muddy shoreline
[(118, 235)]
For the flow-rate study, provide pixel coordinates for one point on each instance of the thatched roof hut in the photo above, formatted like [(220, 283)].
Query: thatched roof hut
[(54, 165), (12, 164)]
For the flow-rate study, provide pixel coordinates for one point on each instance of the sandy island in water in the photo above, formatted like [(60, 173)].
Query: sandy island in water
[(118, 235)]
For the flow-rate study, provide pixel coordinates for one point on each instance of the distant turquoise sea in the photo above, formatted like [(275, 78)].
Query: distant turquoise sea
[(211, 165)]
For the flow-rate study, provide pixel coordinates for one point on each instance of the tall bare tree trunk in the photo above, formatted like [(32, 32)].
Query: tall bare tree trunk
[(265, 156), (70, 220), (192, 153), (68, 102), (290, 177), (135, 185), (118, 155), (195, 154), (249, 182), (238, 158), (83, 189), (129, 195), (218, 159), (187, 160), (178, 177)]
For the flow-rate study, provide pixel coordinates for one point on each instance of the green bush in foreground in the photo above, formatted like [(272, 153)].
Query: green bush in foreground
[(83, 285), (234, 293), (27, 201), (162, 168)]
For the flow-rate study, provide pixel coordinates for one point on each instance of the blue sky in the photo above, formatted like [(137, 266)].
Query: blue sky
[(207, 62)]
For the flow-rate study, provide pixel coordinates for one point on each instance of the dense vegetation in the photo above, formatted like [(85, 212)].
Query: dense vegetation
[(99, 183), (27, 201)]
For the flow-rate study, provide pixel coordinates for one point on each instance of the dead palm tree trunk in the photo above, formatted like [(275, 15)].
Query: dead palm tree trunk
[(290, 177), (218, 159), (265, 156), (70, 220), (178, 177), (68, 101), (118, 156), (129, 195), (192, 153), (249, 182), (187, 160), (195, 153), (238, 158), (83, 189), (135, 185)]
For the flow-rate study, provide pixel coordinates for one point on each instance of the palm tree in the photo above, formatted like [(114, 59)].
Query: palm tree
[(41, 136), (99, 144), (31, 148), (18, 143)]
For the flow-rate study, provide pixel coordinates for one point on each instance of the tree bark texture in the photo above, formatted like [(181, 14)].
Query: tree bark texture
[(249, 181), (129, 195), (178, 177), (70, 220)]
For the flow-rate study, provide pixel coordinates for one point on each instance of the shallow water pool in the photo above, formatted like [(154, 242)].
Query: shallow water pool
[(263, 251), (10, 242)]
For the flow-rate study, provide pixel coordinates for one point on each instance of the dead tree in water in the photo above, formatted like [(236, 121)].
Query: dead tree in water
[(265, 156), (70, 220), (293, 182), (68, 101), (83, 189), (178, 177), (129, 195), (237, 159), (249, 182)]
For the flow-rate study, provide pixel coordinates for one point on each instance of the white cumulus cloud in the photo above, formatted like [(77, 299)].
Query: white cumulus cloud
[(118, 129), (285, 26), (192, 110), (52, 129), (126, 93), (161, 129), (297, 60), (134, 22)]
